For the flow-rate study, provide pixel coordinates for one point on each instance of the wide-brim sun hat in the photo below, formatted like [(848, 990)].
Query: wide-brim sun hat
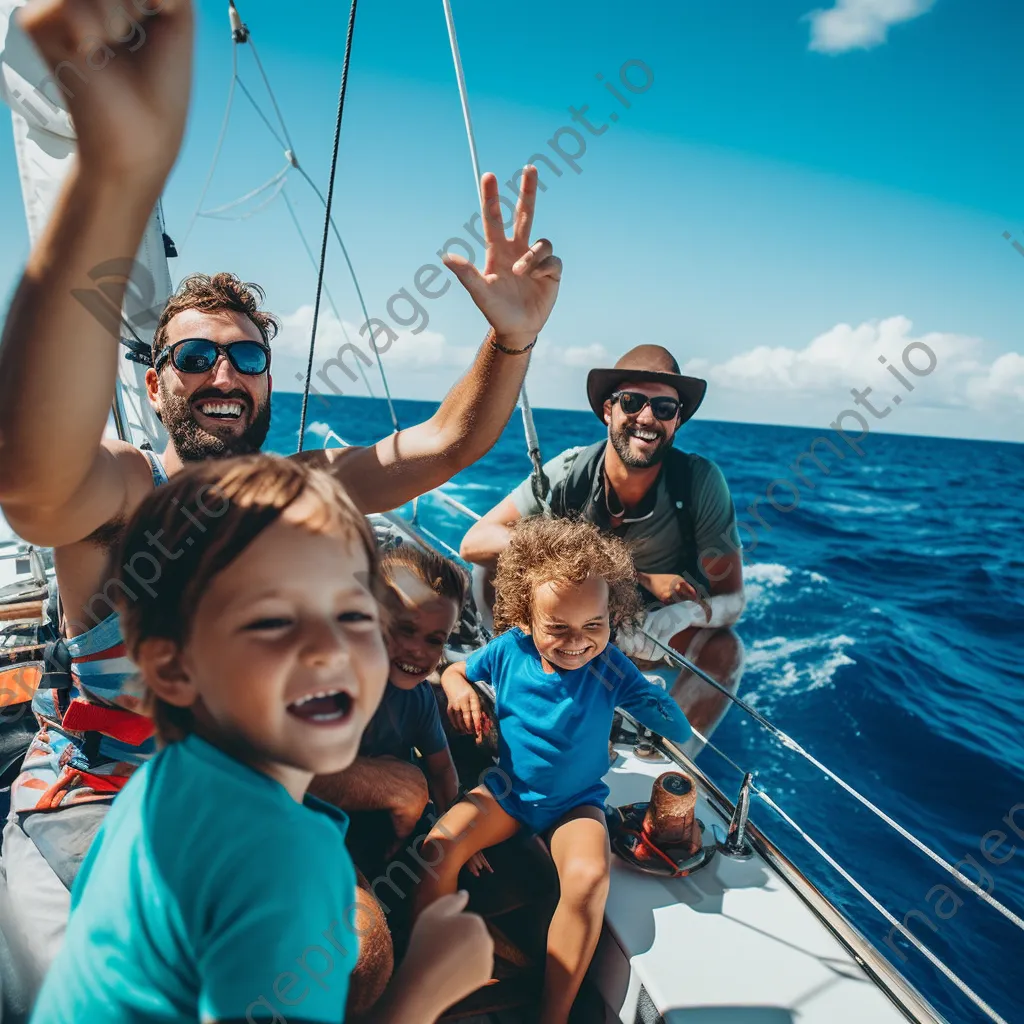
[(641, 365)]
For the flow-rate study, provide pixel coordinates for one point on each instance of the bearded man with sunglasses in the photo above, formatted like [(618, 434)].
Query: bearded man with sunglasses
[(673, 508), (63, 485)]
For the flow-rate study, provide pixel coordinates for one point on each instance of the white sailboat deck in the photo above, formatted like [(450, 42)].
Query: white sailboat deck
[(732, 943)]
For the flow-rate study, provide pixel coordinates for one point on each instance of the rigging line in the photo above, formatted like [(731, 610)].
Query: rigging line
[(327, 291), (788, 741), (248, 213), (294, 162), (537, 477), (359, 294), (220, 143), (447, 499), (449, 18), (273, 99), (278, 178), (270, 128), (327, 218), (902, 929)]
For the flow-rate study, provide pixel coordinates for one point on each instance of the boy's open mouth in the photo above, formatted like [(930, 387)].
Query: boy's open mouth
[(565, 653), (410, 668), (326, 708)]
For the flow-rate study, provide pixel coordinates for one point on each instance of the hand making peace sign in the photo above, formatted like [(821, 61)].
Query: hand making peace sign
[(519, 283)]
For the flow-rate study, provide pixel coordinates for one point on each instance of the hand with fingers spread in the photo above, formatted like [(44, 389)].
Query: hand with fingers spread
[(129, 111), (519, 283)]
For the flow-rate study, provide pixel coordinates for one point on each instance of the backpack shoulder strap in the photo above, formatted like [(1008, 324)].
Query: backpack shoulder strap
[(573, 492), (679, 481)]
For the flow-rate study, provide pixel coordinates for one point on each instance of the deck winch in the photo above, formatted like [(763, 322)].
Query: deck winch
[(663, 835)]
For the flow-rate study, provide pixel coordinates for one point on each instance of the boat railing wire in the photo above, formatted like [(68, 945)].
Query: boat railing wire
[(787, 741)]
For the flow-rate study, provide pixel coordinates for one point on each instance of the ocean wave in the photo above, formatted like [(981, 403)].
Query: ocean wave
[(796, 665), (892, 508)]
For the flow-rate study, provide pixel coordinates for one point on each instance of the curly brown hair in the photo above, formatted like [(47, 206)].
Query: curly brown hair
[(207, 515), (565, 552), (208, 294)]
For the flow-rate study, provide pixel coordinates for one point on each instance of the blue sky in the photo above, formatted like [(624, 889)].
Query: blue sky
[(797, 193)]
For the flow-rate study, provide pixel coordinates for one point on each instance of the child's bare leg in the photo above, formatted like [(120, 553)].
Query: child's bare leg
[(579, 847), (468, 827)]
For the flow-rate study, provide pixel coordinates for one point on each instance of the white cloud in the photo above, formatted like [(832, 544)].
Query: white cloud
[(860, 24), (408, 353), (585, 356), (1003, 381), (846, 357)]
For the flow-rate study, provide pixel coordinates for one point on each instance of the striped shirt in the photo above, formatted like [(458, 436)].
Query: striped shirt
[(91, 736)]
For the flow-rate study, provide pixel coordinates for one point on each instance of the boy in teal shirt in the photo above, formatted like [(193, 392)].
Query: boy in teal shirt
[(217, 890)]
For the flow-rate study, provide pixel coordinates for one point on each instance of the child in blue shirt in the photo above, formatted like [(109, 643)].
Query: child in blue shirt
[(425, 595), (561, 587), (217, 889)]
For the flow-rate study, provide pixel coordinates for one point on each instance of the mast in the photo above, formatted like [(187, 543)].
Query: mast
[(44, 141)]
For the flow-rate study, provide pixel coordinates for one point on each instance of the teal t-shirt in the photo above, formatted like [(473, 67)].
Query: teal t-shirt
[(208, 894)]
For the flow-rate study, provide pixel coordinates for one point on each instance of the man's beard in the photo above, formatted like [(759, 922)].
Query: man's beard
[(193, 443), (620, 442)]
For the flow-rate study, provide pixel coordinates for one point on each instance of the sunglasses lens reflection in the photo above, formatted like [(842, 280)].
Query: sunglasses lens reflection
[(195, 356), (248, 357), (632, 402), (198, 355)]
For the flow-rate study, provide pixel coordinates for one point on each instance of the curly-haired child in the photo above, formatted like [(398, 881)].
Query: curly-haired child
[(216, 885), (562, 586)]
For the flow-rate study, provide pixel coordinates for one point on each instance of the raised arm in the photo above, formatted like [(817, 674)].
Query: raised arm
[(515, 292), (58, 364)]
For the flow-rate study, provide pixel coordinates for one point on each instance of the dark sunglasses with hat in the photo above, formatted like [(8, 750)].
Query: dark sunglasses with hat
[(646, 364)]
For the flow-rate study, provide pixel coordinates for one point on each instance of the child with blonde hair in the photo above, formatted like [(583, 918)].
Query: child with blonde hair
[(562, 586), (217, 889)]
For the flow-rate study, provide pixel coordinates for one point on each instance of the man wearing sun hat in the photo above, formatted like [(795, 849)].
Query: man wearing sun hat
[(672, 507)]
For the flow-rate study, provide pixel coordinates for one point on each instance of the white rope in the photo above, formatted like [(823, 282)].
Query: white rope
[(463, 93), (904, 931), (447, 499), (248, 213), (277, 179), (220, 143), (533, 445), (792, 744)]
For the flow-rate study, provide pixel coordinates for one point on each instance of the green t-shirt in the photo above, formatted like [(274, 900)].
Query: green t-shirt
[(208, 894), (653, 533)]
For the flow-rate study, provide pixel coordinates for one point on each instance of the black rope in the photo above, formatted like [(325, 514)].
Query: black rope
[(359, 293), (327, 291), (327, 216)]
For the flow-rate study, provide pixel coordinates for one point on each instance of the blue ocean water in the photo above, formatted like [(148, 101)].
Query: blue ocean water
[(883, 631)]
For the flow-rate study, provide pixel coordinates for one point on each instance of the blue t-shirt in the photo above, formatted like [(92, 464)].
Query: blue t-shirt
[(208, 894), (404, 719), (554, 726)]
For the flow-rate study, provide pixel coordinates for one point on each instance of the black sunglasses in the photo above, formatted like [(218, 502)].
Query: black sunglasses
[(198, 355), (632, 402)]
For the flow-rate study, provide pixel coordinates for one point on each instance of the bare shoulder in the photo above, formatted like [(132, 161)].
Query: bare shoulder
[(110, 490), (136, 474)]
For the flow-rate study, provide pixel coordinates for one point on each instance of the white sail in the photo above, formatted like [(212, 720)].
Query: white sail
[(44, 141)]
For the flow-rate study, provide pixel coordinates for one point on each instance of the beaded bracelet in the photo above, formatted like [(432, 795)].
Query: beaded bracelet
[(511, 351)]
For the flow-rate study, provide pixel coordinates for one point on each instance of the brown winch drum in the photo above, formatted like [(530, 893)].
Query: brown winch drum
[(668, 820)]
